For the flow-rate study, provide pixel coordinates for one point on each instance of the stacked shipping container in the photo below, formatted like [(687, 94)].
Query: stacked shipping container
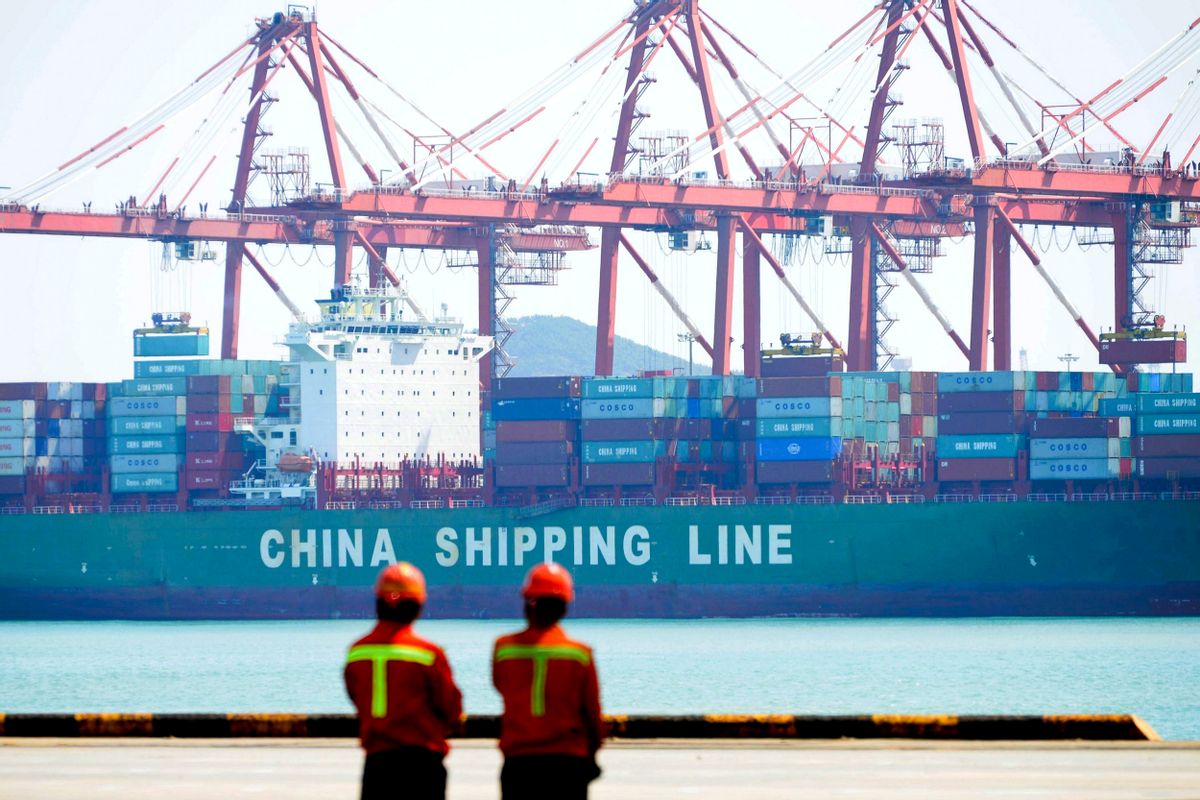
[(536, 431), (798, 429), (981, 426), (1168, 436), (49, 429)]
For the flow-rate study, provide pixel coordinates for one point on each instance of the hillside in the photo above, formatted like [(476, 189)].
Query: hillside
[(544, 345)]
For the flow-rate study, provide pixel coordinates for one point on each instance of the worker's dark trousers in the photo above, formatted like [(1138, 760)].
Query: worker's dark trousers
[(406, 773), (541, 777)]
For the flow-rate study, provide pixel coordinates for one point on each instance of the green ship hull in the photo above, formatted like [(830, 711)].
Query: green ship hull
[(1136, 558)]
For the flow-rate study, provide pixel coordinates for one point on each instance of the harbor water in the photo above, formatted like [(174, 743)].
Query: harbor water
[(1149, 667)]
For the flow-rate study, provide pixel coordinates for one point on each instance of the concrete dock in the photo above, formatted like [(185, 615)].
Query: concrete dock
[(764, 769)]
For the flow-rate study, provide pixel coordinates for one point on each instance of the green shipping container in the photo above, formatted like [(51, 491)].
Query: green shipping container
[(1168, 404), (625, 452), (150, 387), (1006, 445), (141, 426), (820, 427), (127, 445), (614, 388), (145, 482)]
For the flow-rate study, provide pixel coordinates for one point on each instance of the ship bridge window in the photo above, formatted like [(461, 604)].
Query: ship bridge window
[(292, 438), (276, 434)]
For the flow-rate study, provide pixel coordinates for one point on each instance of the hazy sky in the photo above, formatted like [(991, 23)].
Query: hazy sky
[(79, 70)]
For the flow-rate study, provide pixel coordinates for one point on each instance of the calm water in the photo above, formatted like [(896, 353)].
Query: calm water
[(1150, 667)]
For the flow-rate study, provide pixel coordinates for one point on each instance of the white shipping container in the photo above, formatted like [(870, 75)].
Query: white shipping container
[(893, 431), (1124, 427), (17, 409), (83, 409), (17, 428), (70, 428), (64, 390), (905, 404), (51, 464)]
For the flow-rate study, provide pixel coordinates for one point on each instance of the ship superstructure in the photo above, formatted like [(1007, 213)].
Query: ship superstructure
[(368, 385)]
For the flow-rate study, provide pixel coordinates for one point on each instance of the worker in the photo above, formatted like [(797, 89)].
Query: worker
[(405, 695), (551, 728)]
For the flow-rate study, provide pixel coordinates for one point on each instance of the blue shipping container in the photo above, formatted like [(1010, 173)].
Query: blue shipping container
[(145, 406), (812, 426), (1168, 403), (157, 462), (1118, 407), (145, 482), (144, 425), (799, 449), (535, 408), (631, 408), (1075, 447), (602, 388), (980, 381), (1148, 424), (1096, 469), (799, 406)]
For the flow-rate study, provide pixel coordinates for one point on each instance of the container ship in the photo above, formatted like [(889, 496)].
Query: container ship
[(206, 488)]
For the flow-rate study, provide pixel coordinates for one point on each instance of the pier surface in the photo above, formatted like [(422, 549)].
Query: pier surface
[(144, 768)]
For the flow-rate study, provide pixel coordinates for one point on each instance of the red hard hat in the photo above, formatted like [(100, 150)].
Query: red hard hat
[(399, 582), (549, 580)]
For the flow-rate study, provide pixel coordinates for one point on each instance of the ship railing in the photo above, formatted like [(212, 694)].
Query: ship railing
[(998, 497), (597, 502), (863, 499), (1090, 497), (162, 508), (906, 499), (682, 501), (49, 510), (426, 504), (1127, 496), (648, 500), (385, 505), (1047, 497), (85, 509), (339, 505), (467, 503), (772, 500), (954, 498), (12, 510), (814, 500), (735, 500), (1180, 495), (124, 508)]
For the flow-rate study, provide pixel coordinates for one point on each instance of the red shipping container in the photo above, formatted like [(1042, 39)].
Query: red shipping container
[(208, 403), (1167, 445), (672, 428), (830, 386), (517, 388), (210, 384), (611, 430), (893, 392), (206, 479), (693, 388), (1169, 469), (210, 422), (747, 408), (212, 441), (529, 475), (533, 452), (794, 471), (1143, 351), (951, 402), (1089, 382), (1045, 381), (800, 366), (22, 391), (618, 474), (966, 423), (977, 469), (1086, 427), (53, 409), (536, 430), (227, 460)]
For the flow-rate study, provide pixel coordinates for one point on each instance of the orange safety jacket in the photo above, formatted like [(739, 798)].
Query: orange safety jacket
[(551, 694), (403, 690)]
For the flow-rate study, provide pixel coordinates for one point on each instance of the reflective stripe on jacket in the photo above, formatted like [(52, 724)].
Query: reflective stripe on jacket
[(551, 694), (403, 690)]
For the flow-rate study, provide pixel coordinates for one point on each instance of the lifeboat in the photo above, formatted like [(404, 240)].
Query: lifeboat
[(294, 462)]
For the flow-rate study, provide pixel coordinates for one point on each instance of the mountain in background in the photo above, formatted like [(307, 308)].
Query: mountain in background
[(544, 345)]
